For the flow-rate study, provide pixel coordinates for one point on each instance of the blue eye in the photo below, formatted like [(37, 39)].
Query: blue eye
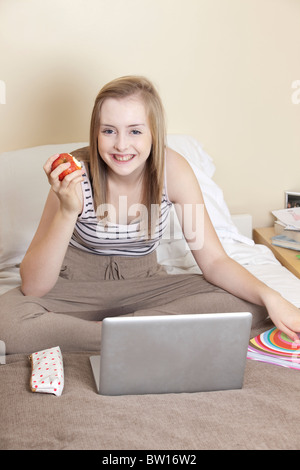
[(107, 131), (136, 132)]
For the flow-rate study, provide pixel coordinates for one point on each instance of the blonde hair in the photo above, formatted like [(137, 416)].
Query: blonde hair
[(153, 181)]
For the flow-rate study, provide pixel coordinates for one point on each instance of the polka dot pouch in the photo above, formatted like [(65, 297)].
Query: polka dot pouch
[(47, 374)]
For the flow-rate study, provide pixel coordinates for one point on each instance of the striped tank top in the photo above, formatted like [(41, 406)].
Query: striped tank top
[(110, 239)]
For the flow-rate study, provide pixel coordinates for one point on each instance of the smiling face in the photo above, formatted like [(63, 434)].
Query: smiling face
[(124, 139)]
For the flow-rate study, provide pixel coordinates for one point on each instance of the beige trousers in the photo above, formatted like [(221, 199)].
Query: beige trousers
[(92, 287)]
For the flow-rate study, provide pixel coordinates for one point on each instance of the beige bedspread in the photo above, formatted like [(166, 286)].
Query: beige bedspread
[(263, 415)]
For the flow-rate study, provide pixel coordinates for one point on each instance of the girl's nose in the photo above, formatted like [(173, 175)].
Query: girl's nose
[(121, 142)]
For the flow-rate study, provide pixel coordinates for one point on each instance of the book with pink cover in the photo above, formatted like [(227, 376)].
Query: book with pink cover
[(275, 347)]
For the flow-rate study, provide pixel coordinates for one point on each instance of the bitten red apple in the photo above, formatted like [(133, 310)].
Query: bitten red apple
[(65, 158)]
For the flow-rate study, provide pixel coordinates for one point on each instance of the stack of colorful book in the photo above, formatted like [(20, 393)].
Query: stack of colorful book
[(275, 347)]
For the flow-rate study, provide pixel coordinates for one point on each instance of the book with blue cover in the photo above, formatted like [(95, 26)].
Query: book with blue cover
[(285, 242)]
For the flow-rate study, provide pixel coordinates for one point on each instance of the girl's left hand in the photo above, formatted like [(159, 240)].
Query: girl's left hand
[(285, 316)]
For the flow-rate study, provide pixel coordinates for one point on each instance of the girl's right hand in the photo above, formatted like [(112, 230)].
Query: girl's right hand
[(68, 190)]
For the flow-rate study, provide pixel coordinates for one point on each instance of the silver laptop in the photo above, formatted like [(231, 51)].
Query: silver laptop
[(172, 353)]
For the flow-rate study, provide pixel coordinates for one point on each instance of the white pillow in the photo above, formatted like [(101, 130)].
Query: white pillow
[(203, 166), (192, 150)]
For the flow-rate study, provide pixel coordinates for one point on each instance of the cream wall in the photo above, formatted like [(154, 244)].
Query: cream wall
[(224, 68)]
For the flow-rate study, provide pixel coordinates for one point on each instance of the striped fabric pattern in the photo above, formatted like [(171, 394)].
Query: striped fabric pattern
[(94, 236)]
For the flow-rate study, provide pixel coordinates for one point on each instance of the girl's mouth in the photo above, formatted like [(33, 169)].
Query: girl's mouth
[(123, 158)]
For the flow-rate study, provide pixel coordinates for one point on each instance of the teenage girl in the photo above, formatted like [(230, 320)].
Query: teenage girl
[(93, 254)]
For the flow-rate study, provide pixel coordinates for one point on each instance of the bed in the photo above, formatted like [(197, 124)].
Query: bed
[(262, 415)]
